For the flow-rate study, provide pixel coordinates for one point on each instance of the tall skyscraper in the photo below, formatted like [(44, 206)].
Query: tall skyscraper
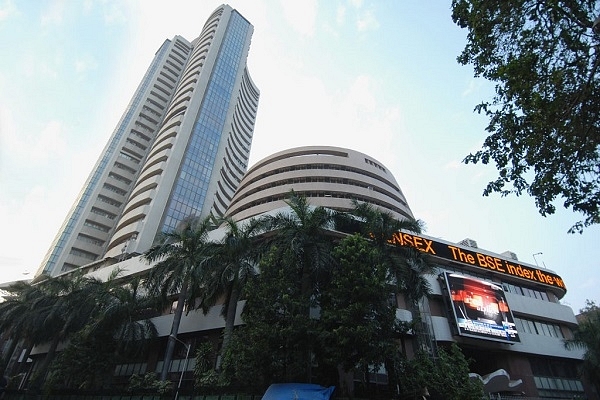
[(180, 149)]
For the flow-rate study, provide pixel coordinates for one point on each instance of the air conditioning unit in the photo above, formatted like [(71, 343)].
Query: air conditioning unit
[(510, 254), (468, 242)]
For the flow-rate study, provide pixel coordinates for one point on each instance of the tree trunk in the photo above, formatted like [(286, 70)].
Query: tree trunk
[(9, 354), (23, 364), (173, 335), (40, 374), (229, 322)]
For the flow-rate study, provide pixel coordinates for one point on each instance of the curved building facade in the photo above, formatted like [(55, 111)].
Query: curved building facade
[(201, 151), (504, 314), (328, 176), (87, 229), (180, 149)]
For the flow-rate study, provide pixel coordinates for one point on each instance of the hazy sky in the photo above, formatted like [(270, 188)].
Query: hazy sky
[(379, 77)]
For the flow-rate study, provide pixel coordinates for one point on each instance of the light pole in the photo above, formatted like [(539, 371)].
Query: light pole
[(187, 355), (534, 259)]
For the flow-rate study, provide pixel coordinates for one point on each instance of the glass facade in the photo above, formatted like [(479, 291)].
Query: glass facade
[(190, 188)]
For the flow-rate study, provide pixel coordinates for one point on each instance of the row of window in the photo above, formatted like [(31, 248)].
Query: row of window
[(178, 365), (83, 254), (538, 328), (140, 135), (102, 213), (125, 168), (96, 226), (114, 189), (136, 144), (556, 378), (131, 369), (334, 167), (374, 164), (525, 291), (128, 157), (110, 201), (119, 178), (557, 384), (68, 267), (89, 239)]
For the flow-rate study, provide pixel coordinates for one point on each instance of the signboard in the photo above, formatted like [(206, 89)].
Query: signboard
[(480, 309), (477, 259)]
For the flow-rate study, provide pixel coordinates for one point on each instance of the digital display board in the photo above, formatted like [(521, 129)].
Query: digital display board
[(480, 309), (477, 259)]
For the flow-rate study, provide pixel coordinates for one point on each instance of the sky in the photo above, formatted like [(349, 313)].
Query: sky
[(379, 77)]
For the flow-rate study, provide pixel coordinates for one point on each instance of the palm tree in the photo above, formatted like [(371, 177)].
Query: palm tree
[(234, 263), (21, 318), (118, 325), (48, 311), (406, 266), (302, 240), (125, 313), (180, 258), (301, 234), (72, 303), (53, 310)]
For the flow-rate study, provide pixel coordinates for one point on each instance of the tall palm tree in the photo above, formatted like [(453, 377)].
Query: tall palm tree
[(406, 265), (180, 258), (118, 326), (234, 263), (125, 312), (301, 233), (302, 239), (71, 306), (22, 316), (48, 311)]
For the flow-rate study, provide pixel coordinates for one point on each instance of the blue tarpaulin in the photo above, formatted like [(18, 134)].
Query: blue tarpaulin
[(297, 391)]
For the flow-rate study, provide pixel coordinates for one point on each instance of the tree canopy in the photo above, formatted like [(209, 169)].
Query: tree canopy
[(587, 336), (181, 257), (320, 303), (544, 125)]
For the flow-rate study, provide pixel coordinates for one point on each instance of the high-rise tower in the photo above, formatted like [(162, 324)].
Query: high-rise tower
[(180, 148)]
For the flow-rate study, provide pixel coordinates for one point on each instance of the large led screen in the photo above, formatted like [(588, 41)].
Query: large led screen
[(480, 309)]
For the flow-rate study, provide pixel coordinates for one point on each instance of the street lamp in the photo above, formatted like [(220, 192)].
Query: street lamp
[(534, 259), (187, 355)]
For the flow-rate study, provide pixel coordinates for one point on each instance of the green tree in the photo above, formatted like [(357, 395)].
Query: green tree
[(69, 306), (124, 314), (180, 258), (452, 377), (406, 266), (445, 378), (301, 237), (204, 373), (86, 363), (301, 233), (234, 263), (587, 336), (21, 319), (117, 330), (544, 130), (357, 322), (273, 343)]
